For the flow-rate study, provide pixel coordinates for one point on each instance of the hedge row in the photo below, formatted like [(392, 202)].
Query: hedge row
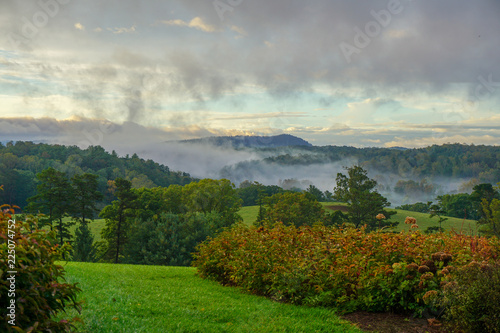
[(345, 268)]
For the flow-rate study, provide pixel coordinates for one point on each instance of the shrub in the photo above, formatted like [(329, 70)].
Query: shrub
[(38, 291), (473, 299), (345, 268)]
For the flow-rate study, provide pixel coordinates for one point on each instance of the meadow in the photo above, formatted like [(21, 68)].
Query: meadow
[(135, 298), (468, 227), (249, 215)]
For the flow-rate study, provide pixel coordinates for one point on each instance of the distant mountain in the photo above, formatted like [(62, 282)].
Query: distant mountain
[(281, 140)]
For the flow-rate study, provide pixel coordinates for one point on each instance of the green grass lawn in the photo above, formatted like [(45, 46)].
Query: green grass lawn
[(249, 214), (133, 298), (468, 227), (95, 228)]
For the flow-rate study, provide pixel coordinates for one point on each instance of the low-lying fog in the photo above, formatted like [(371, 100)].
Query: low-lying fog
[(238, 165)]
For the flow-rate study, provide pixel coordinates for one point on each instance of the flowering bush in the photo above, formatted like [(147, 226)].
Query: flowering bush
[(345, 268), (35, 293), (473, 300)]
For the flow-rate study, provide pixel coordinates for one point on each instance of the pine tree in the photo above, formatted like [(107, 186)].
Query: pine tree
[(53, 198), (117, 218), (84, 248), (364, 203)]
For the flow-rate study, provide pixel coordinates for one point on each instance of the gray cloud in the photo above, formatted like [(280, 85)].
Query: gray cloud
[(289, 49)]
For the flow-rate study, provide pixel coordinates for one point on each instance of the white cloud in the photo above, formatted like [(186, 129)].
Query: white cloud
[(239, 30), (196, 23), (122, 30), (79, 26)]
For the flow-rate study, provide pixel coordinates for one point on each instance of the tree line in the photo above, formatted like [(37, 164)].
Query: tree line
[(160, 225), (20, 162), (476, 163)]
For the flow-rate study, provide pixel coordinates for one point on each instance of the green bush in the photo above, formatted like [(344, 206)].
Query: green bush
[(473, 300), (36, 293)]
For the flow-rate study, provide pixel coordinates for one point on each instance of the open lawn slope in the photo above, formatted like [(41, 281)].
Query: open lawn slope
[(133, 298), (468, 227)]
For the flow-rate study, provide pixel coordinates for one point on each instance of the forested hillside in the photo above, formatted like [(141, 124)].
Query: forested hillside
[(21, 161), (449, 160), (414, 173)]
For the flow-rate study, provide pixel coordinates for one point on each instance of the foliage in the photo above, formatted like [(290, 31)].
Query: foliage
[(170, 239), (165, 224), (291, 208), (40, 293), (345, 268), (85, 198), (363, 202), (419, 207), (414, 189), (483, 192), (209, 195), (472, 300), (84, 248), (117, 219), (53, 198), (491, 220), (251, 194), (21, 161), (458, 205), (316, 193), (86, 194)]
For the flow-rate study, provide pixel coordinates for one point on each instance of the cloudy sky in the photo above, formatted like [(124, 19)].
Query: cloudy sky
[(363, 73)]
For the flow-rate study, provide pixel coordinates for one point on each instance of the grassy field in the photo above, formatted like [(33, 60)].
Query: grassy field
[(133, 298), (468, 227)]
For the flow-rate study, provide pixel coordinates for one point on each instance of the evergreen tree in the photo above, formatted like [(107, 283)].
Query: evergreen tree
[(86, 196), (84, 248), (54, 199), (117, 218), (364, 203)]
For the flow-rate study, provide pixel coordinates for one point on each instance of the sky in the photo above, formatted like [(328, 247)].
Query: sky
[(359, 73)]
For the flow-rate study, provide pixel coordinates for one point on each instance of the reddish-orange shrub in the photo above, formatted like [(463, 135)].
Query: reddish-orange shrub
[(342, 267), (32, 286)]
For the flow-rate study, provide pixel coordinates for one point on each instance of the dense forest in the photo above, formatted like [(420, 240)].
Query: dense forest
[(20, 162)]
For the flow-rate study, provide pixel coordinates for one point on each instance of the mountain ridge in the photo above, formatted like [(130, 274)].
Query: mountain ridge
[(252, 141)]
